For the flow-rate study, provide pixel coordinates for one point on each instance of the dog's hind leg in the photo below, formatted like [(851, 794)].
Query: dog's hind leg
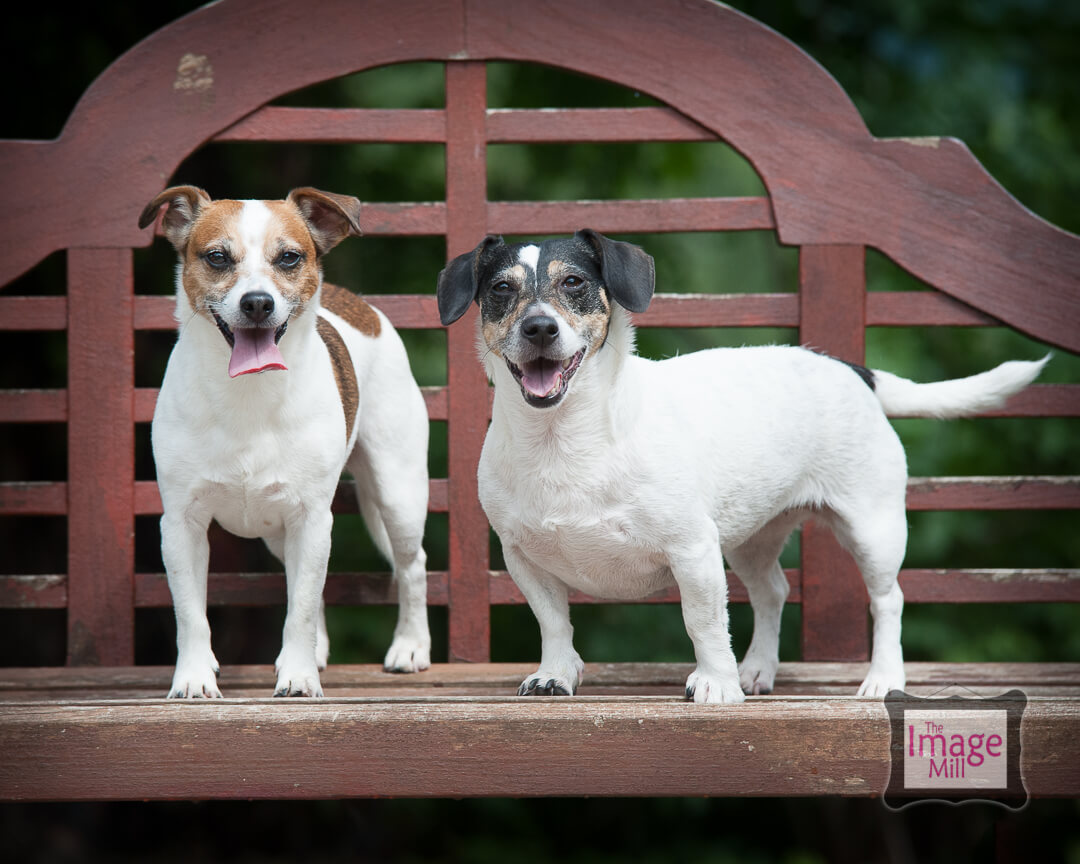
[(561, 668), (876, 538), (756, 564), (393, 501)]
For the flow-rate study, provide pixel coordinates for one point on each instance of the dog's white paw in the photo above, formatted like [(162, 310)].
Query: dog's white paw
[(560, 680), (195, 680), (757, 675), (703, 687), (297, 678), (408, 654), (880, 681), (545, 684)]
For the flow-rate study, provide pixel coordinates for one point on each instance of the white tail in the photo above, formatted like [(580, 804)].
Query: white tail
[(959, 397)]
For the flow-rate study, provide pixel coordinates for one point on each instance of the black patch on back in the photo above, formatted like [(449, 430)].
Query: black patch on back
[(866, 374)]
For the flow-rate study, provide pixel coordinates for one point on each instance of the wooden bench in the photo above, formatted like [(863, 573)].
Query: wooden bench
[(833, 190)]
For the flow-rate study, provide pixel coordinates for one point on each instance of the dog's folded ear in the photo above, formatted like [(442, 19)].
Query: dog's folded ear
[(330, 218), (628, 270), (184, 205), (458, 286)]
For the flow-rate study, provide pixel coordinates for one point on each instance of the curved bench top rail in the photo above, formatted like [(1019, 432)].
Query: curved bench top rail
[(926, 203)]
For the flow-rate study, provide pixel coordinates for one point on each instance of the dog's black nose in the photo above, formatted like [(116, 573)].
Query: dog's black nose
[(257, 306), (541, 330)]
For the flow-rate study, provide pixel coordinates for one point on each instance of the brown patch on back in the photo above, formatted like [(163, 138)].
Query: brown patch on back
[(354, 311), (344, 372)]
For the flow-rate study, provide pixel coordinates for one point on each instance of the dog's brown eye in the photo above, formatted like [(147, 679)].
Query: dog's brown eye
[(217, 259), (503, 288), (289, 259), (573, 283)]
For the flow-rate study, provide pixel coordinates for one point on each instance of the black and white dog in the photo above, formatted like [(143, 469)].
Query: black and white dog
[(616, 475)]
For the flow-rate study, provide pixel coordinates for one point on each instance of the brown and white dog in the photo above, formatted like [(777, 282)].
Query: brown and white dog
[(263, 453)]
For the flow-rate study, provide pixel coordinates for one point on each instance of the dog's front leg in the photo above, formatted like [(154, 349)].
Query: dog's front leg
[(561, 668), (185, 551), (307, 552), (699, 571)]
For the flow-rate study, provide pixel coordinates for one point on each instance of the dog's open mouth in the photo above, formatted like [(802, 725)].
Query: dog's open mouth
[(254, 349), (544, 380)]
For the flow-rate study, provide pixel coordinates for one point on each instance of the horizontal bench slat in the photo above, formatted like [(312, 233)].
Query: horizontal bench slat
[(49, 591), (428, 125), (1039, 400), (637, 216), (924, 493), (33, 313), (993, 493), (339, 125), (650, 679), (404, 737), (419, 311)]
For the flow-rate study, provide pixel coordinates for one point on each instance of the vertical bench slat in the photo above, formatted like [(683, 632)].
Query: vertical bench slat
[(467, 399), (101, 457), (832, 310)]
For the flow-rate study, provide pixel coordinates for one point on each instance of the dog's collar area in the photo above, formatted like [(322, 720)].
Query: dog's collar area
[(254, 349), (544, 380)]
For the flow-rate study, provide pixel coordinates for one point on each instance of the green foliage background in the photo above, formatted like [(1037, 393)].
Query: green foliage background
[(1000, 74)]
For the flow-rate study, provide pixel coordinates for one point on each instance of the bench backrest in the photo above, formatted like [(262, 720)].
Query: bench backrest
[(832, 190)]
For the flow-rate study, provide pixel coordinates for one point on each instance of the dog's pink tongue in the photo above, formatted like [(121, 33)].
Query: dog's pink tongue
[(541, 376), (254, 350)]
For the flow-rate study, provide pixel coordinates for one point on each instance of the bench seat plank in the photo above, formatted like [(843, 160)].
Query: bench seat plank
[(457, 731)]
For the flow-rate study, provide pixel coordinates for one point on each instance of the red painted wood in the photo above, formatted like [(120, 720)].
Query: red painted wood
[(187, 82), (101, 453), (504, 126), (49, 591), (990, 586), (927, 203), (776, 106), (476, 744), (33, 313), (565, 125), (921, 308), (466, 193), (629, 217), (339, 126), (33, 499), (721, 310), (832, 309), (46, 591), (993, 493), (33, 406)]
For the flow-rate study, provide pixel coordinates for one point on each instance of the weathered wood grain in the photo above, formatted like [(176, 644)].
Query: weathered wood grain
[(464, 737)]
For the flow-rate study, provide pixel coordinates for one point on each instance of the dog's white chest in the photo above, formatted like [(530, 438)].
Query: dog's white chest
[(592, 544), (603, 560)]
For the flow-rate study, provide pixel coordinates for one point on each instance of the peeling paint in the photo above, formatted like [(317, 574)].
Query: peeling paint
[(929, 141), (194, 73)]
